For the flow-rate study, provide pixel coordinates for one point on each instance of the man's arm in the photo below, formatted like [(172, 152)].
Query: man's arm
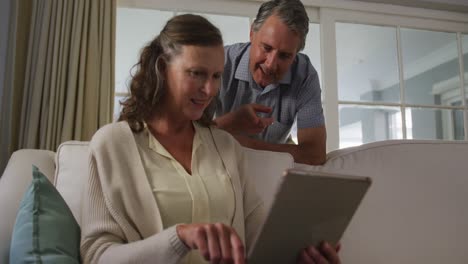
[(245, 120), (311, 147)]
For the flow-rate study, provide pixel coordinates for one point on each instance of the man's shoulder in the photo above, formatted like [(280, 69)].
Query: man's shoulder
[(235, 50), (303, 61), (303, 66), (234, 54)]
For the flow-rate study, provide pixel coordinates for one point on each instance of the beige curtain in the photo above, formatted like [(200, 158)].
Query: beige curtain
[(62, 75)]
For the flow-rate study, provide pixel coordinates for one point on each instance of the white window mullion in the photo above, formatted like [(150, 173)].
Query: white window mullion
[(462, 82), (402, 83), (329, 75)]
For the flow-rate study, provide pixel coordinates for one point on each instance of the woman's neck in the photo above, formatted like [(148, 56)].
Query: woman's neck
[(176, 137), (167, 125)]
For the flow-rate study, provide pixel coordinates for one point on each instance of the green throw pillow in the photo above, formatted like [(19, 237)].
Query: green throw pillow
[(45, 230)]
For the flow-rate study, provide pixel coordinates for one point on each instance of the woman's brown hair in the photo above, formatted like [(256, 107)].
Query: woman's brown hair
[(147, 85)]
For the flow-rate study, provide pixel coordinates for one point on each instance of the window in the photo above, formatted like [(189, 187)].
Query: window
[(367, 65), (376, 123), (398, 83), (135, 27), (234, 29)]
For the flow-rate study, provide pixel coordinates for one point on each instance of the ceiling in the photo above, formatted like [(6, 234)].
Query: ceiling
[(447, 5)]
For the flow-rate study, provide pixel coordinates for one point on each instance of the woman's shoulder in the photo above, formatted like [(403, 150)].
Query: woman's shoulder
[(220, 134), (111, 133), (224, 141)]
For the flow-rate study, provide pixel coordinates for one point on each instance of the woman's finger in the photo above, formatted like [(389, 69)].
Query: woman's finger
[(213, 244), (316, 255), (225, 242), (238, 251), (304, 258), (330, 253), (338, 247), (200, 241)]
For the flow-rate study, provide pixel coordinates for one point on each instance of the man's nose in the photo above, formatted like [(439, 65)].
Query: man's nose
[(271, 61)]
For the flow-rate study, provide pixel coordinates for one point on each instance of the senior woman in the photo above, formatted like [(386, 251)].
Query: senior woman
[(164, 183)]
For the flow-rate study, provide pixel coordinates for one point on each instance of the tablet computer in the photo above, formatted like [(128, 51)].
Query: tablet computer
[(308, 208)]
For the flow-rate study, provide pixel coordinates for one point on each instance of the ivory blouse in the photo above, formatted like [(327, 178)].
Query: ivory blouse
[(205, 196)]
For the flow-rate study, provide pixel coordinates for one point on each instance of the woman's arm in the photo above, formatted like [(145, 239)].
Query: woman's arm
[(103, 240)]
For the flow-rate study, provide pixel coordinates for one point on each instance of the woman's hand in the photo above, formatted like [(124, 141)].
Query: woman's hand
[(217, 243), (324, 254)]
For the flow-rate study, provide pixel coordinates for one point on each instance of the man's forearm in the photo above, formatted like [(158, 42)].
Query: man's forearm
[(245, 120), (302, 153)]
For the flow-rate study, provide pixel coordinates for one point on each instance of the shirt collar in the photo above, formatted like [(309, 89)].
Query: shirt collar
[(243, 72), (157, 147)]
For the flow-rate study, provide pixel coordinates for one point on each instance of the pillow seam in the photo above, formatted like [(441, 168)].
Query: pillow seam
[(36, 208)]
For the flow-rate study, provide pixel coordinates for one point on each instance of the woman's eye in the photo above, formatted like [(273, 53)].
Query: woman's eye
[(194, 73), (197, 74)]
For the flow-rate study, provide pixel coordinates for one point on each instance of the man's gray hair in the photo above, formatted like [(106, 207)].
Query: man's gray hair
[(291, 12)]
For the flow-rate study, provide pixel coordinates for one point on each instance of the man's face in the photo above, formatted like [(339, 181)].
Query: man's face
[(274, 47)]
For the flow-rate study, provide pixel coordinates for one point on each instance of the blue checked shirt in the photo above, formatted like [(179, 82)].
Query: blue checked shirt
[(296, 98)]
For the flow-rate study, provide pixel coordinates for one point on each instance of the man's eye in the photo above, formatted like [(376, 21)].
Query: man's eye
[(217, 76), (266, 48), (284, 56)]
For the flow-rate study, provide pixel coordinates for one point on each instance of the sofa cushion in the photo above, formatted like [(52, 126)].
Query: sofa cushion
[(72, 173), (45, 230)]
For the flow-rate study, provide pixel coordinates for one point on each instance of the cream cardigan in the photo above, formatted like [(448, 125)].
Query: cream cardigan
[(121, 222)]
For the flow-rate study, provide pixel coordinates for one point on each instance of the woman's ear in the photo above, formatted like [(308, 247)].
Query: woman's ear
[(161, 67)]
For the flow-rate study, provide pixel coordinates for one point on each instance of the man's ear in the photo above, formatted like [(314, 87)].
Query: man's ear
[(251, 34)]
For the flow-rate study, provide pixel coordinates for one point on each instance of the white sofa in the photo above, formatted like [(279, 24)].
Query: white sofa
[(413, 213)]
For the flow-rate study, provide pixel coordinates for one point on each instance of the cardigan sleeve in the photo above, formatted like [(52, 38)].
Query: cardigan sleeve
[(103, 239)]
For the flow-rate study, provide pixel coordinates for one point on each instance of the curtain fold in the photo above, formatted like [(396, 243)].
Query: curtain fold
[(66, 80), (18, 43)]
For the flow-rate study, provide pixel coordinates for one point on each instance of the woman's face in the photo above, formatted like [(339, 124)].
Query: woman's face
[(193, 78)]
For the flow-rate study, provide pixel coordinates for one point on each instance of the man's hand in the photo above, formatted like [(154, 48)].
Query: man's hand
[(245, 120), (217, 243)]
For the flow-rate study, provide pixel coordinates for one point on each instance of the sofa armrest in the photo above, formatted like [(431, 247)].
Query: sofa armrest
[(13, 183)]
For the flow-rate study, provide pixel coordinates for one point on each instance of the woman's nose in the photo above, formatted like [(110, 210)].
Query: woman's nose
[(211, 87)]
